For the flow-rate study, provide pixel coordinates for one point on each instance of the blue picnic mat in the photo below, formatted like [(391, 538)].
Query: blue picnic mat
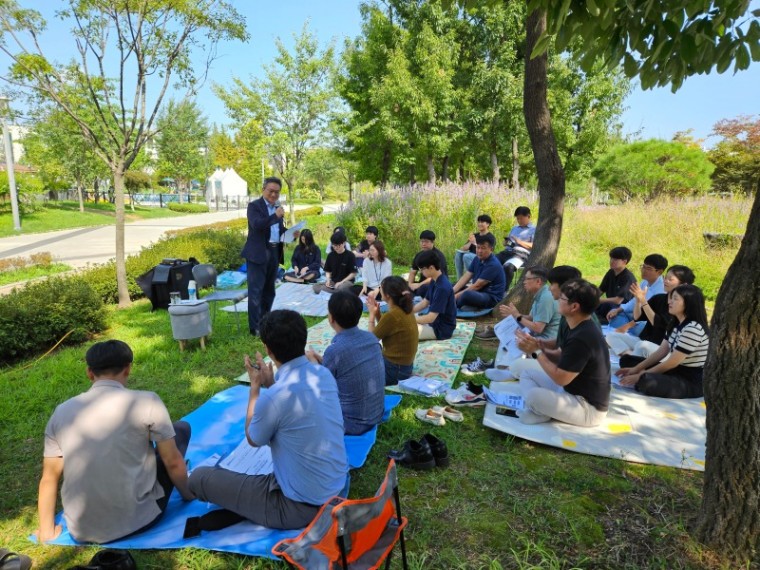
[(217, 428)]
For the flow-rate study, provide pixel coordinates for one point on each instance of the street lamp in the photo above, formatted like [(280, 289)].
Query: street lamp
[(5, 111)]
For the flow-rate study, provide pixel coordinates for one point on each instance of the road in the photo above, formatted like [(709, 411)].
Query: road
[(82, 246)]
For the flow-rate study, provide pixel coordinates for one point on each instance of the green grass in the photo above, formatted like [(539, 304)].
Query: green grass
[(65, 215), (503, 503), (33, 272)]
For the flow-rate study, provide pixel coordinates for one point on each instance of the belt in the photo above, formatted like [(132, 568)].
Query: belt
[(273, 244)]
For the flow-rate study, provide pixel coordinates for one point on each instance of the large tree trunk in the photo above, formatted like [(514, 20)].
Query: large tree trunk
[(431, 169), (730, 516), (121, 263), (80, 194), (515, 165), (551, 176)]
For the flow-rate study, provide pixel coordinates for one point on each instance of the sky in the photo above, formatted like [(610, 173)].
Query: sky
[(699, 104)]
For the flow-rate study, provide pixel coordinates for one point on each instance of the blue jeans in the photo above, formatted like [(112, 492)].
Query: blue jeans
[(475, 299), (395, 372), (462, 261)]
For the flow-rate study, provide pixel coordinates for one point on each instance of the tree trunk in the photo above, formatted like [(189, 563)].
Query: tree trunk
[(551, 176), (431, 169), (350, 187), (515, 165), (730, 515), (412, 175), (445, 169), (461, 171), (495, 174), (121, 264), (95, 187), (80, 195), (386, 167), (291, 182)]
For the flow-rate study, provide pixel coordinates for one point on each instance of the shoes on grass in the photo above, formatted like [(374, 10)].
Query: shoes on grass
[(462, 396), (430, 416), (448, 413), (424, 454), (477, 366)]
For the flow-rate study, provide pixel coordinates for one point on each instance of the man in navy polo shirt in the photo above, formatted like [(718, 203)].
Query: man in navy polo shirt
[(441, 320), (482, 285)]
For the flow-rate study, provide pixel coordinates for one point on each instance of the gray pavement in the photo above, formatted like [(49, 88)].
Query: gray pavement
[(82, 246)]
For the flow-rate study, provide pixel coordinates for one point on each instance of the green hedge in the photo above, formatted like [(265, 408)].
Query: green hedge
[(313, 211), (36, 317), (188, 208)]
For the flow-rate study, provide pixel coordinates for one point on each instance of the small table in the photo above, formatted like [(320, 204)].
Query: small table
[(190, 319)]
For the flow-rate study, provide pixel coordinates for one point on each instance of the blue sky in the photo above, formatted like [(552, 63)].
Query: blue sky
[(698, 105)]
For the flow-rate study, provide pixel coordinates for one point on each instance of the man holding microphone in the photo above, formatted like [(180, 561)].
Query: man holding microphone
[(263, 250)]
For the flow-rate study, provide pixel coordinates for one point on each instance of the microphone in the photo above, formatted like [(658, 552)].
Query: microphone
[(277, 204)]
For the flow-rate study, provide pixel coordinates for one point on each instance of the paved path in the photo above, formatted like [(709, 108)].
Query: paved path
[(78, 247)]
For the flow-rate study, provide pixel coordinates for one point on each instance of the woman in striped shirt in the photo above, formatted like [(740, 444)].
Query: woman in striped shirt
[(675, 369)]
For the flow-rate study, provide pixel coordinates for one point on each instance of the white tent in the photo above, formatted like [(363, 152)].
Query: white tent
[(226, 187)]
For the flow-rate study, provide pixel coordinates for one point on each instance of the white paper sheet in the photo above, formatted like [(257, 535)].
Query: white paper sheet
[(248, 459)]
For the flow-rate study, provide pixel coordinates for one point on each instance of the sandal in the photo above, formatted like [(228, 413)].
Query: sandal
[(449, 413), (430, 416), (12, 561)]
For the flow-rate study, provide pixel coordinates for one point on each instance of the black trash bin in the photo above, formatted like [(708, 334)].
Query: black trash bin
[(166, 277)]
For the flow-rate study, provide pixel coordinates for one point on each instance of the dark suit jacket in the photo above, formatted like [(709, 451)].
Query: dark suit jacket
[(259, 222)]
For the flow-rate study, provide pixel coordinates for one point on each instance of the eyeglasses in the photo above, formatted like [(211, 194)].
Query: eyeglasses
[(647, 267), (565, 299), (529, 278)]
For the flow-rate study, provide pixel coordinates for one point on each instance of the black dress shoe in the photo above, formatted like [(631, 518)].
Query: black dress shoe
[(438, 449), (415, 454), (111, 559)]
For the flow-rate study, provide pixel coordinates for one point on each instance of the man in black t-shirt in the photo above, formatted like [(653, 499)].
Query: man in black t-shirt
[(340, 266), (616, 283), (427, 243), (576, 388)]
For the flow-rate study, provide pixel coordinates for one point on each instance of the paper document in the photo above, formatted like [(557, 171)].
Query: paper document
[(422, 385), (505, 399), (505, 329), (248, 459), (290, 233)]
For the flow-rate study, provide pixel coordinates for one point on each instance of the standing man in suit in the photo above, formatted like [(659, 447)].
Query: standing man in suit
[(263, 250)]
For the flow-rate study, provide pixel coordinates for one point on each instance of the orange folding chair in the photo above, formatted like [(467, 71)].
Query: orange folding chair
[(358, 534)]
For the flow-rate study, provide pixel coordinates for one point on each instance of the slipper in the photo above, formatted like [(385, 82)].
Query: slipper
[(12, 561), (449, 413), (430, 416)]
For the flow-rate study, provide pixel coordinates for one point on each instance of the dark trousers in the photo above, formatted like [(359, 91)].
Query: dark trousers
[(678, 383), (395, 372), (182, 439), (261, 278)]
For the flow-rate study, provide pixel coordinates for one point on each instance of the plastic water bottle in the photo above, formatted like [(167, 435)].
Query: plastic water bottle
[(191, 291)]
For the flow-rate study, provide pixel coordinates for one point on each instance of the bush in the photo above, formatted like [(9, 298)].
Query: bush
[(313, 211), (36, 317), (188, 208)]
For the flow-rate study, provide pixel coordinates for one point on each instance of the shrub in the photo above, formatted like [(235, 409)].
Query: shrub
[(313, 211), (188, 208), (36, 317)]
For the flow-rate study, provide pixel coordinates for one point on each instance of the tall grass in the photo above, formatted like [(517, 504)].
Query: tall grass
[(672, 227)]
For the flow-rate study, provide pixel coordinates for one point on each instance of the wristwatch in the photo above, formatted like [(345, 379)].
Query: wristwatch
[(519, 318), (535, 354)]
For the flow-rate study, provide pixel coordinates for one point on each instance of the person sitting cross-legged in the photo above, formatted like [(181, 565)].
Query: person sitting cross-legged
[(616, 283), (115, 483), (356, 361), (651, 281), (362, 250), (427, 243), (377, 266), (675, 369), (296, 412), (340, 267), (397, 329), (482, 285), (440, 321), (543, 319), (518, 244), (306, 260), (464, 256), (576, 388)]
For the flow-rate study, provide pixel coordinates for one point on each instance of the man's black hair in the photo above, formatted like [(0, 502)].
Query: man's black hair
[(427, 234), (657, 261), (372, 230), (563, 273), (487, 238), (338, 238), (284, 334), (582, 292), (538, 271), (428, 259), (272, 179), (621, 252), (485, 218), (345, 308), (522, 211), (108, 357)]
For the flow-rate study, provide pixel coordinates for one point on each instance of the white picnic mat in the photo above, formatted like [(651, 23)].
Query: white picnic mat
[(296, 297), (640, 429)]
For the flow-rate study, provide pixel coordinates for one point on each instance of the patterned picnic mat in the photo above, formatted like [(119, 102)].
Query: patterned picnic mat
[(296, 297)]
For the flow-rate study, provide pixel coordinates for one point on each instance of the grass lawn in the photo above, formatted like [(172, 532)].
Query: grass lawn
[(32, 272), (503, 503), (65, 215)]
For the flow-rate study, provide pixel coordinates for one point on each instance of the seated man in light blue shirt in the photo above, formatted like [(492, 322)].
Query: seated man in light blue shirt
[(355, 359), (543, 319), (296, 412), (651, 274), (518, 244)]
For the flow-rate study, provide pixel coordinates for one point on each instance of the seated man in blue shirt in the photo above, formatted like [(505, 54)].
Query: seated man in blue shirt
[(651, 274), (355, 359), (441, 320), (518, 244), (296, 412), (482, 285), (543, 319)]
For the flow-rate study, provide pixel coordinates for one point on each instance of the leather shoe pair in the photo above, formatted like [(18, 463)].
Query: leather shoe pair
[(110, 559), (424, 454)]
